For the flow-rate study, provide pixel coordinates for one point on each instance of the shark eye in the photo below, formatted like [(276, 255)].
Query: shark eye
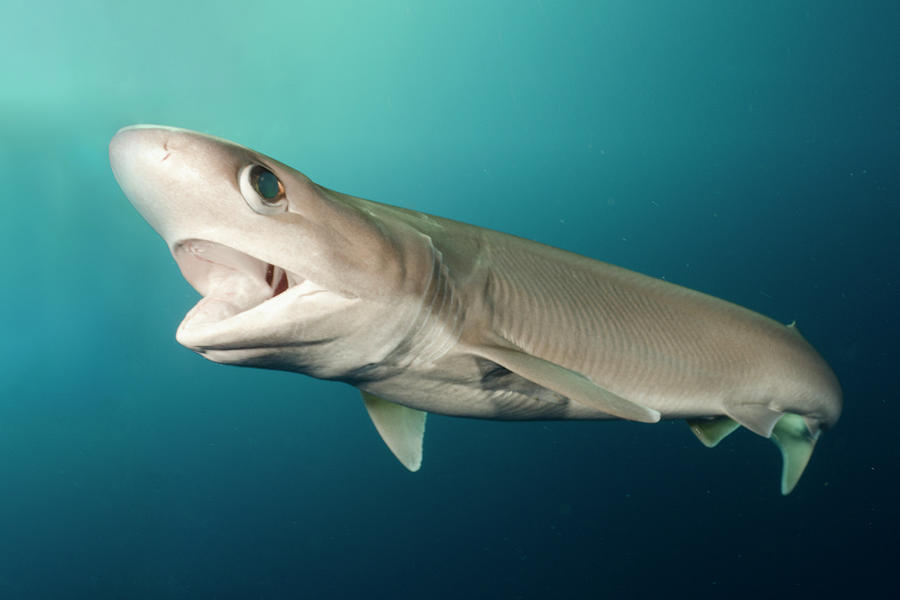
[(262, 190)]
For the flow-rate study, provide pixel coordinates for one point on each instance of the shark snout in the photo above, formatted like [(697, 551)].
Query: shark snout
[(134, 152), (144, 147), (135, 141), (164, 174), (184, 184)]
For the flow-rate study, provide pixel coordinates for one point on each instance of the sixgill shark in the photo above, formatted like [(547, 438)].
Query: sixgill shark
[(424, 314)]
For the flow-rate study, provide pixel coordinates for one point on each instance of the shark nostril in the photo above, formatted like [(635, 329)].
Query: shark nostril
[(166, 150)]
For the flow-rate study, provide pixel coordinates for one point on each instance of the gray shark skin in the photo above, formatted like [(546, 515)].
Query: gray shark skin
[(424, 314)]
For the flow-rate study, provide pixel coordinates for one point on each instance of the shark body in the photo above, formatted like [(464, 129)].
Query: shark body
[(425, 314)]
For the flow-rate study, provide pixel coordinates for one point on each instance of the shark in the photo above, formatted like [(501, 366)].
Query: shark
[(424, 314)]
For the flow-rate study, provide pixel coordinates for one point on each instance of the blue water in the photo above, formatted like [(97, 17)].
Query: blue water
[(746, 149)]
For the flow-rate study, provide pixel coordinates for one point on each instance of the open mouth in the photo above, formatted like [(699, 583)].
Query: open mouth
[(230, 281)]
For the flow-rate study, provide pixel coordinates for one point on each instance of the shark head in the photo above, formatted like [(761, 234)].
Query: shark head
[(276, 257)]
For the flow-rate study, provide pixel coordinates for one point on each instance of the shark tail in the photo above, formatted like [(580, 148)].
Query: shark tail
[(789, 432)]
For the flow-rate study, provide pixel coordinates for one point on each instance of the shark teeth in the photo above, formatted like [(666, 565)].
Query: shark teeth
[(278, 279)]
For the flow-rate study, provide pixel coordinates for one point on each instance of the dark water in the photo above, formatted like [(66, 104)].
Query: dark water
[(746, 149)]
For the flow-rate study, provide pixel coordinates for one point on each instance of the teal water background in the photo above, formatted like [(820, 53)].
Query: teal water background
[(746, 149)]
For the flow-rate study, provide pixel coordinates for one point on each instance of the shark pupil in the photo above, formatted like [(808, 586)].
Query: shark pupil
[(267, 183)]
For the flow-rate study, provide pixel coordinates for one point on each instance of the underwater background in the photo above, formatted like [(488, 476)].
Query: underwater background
[(745, 149)]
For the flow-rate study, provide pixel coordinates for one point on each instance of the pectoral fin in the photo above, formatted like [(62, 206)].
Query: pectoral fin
[(796, 443), (570, 384), (401, 428), (712, 431)]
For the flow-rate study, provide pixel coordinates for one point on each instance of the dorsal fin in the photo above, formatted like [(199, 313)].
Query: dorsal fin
[(793, 327), (402, 428)]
